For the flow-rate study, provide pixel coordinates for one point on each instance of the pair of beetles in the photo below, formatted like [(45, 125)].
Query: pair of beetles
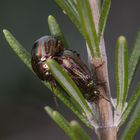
[(49, 47)]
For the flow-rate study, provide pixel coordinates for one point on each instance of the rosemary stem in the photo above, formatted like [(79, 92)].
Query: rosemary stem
[(106, 130)]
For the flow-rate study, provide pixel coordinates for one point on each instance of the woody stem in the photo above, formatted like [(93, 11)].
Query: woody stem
[(106, 130)]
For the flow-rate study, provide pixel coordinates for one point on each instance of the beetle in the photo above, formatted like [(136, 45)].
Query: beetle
[(44, 48), (79, 72)]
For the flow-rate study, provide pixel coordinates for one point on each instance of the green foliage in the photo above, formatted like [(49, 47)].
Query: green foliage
[(18, 48), (133, 63), (88, 26), (62, 122), (121, 71), (131, 104), (134, 123), (99, 5), (134, 59), (55, 30), (77, 10), (79, 132), (69, 8), (103, 18), (72, 129)]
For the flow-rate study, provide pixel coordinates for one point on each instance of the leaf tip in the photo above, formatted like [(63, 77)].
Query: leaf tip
[(122, 42), (122, 38), (5, 31), (46, 107), (50, 18), (7, 34), (52, 22)]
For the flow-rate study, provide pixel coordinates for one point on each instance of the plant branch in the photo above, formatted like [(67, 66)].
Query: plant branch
[(107, 133), (96, 16), (106, 126), (106, 130)]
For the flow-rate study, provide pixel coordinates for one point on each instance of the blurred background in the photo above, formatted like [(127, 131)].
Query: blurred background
[(22, 96)]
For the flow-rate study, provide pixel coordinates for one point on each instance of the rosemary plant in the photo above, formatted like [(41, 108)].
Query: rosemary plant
[(104, 115)]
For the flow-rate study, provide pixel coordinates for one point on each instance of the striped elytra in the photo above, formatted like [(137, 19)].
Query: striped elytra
[(79, 72), (44, 48)]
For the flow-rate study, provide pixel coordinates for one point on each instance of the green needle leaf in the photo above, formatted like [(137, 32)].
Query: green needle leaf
[(131, 104), (79, 132), (133, 125), (103, 18), (26, 58), (59, 92), (134, 60), (99, 5), (68, 84), (55, 30), (61, 121), (121, 71), (88, 27), (18, 49), (70, 10), (72, 4)]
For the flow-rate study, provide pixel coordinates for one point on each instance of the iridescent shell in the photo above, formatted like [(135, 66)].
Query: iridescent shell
[(79, 72), (44, 48)]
